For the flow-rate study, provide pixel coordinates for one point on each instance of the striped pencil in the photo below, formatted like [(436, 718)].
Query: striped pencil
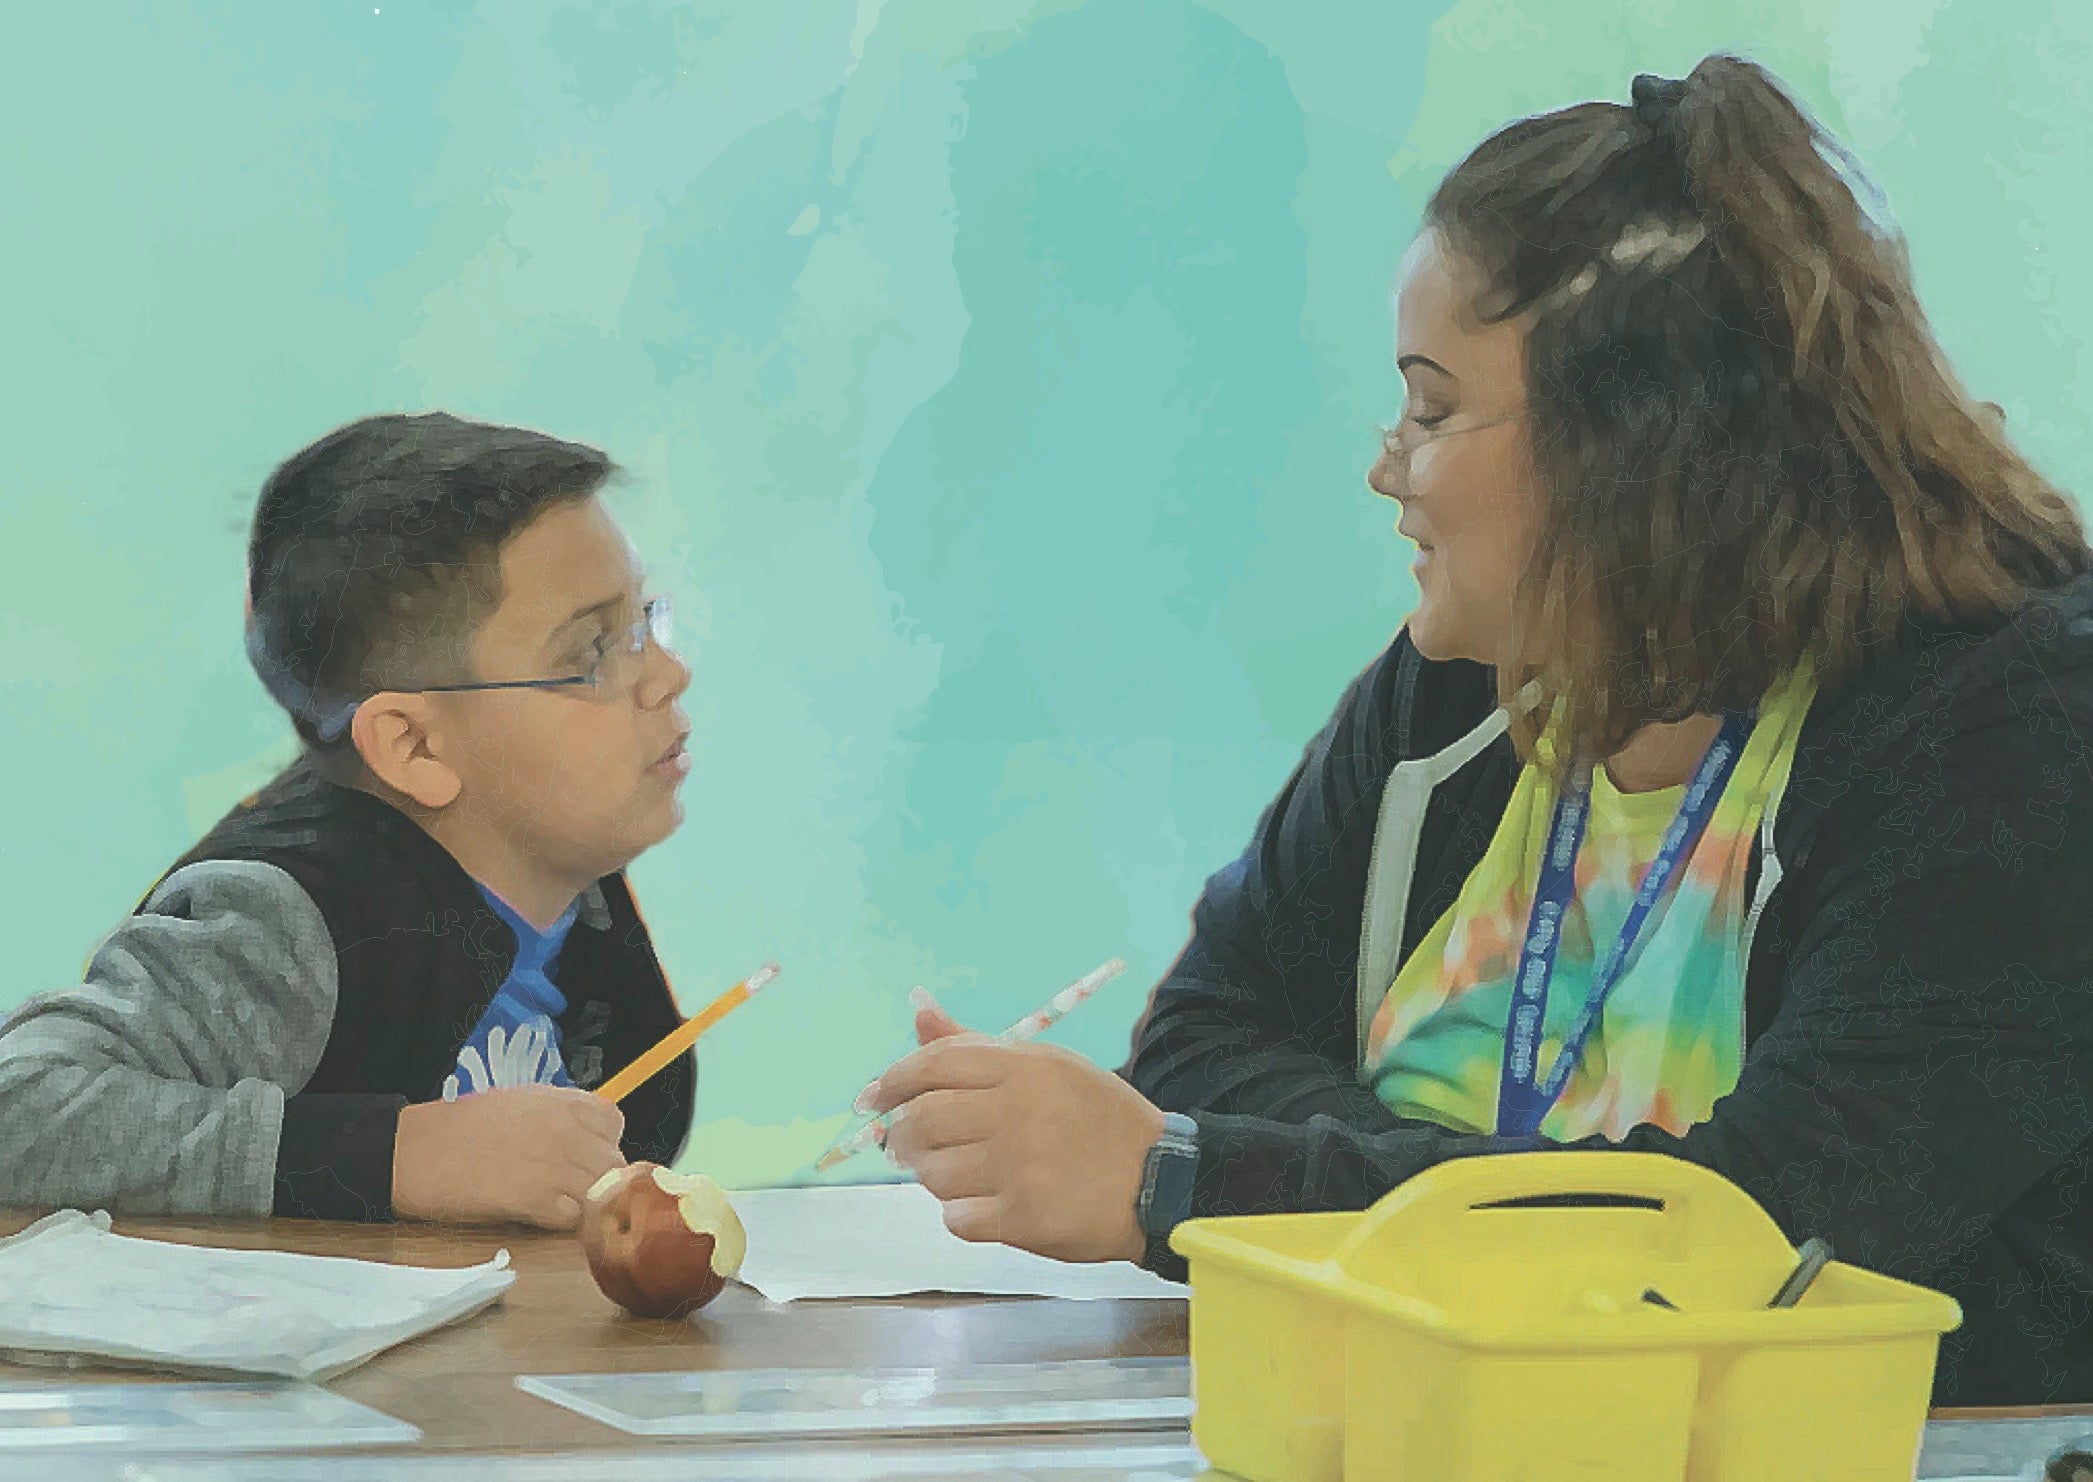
[(684, 1035), (1037, 1022)]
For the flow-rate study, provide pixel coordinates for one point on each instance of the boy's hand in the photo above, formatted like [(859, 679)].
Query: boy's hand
[(516, 1153)]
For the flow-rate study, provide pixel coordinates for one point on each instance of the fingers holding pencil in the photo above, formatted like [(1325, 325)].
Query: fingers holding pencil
[(1021, 1142), (933, 1024)]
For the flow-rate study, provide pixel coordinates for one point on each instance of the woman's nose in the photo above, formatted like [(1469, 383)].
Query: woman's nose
[(1389, 475)]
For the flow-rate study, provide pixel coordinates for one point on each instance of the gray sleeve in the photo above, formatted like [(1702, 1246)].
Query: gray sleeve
[(158, 1085)]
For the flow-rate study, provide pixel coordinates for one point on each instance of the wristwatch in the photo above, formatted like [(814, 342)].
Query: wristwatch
[(1166, 1179)]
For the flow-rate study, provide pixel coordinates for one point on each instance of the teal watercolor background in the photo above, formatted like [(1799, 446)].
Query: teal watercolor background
[(997, 379)]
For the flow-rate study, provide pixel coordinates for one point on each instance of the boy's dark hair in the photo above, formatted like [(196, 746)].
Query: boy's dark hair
[(376, 552)]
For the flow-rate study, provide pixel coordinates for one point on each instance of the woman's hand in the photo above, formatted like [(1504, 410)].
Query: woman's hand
[(1026, 1144)]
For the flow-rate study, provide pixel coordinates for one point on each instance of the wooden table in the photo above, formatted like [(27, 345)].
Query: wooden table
[(458, 1384)]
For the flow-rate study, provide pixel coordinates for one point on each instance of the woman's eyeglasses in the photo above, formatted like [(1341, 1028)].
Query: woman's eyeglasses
[(1407, 435)]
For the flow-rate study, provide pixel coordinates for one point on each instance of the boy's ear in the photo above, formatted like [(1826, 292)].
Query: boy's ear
[(394, 734)]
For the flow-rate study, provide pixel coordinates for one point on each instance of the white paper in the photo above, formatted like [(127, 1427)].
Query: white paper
[(71, 1291), (890, 1240)]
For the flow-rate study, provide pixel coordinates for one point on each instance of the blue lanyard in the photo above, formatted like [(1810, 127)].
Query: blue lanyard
[(1521, 1104)]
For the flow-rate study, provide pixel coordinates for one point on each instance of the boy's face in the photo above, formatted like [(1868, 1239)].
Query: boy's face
[(581, 780)]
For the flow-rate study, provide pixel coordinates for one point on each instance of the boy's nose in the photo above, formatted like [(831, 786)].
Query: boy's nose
[(665, 677), (679, 670)]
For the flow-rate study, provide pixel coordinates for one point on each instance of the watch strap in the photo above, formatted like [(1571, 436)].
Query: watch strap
[(1166, 1179)]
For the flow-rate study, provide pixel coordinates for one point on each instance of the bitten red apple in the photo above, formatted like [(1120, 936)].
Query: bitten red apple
[(660, 1244)]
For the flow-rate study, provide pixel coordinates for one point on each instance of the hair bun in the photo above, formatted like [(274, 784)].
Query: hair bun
[(1656, 99)]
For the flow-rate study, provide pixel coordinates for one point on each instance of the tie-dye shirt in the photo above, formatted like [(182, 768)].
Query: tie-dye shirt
[(1669, 1041)]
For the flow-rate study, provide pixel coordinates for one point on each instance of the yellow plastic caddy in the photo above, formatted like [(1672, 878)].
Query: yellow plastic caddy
[(1436, 1338)]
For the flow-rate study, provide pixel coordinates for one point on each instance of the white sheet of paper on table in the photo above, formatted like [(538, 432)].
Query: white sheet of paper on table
[(73, 1291), (890, 1240)]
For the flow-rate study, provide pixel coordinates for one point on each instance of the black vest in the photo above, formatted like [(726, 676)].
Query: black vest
[(421, 955)]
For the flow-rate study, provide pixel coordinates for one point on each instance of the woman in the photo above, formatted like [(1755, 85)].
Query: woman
[(1730, 595)]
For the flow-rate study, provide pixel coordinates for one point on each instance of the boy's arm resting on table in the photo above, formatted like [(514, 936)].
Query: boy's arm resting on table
[(159, 1085), (1924, 1071)]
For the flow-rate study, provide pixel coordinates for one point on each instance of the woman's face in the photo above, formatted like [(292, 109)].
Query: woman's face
[(1459, 463)]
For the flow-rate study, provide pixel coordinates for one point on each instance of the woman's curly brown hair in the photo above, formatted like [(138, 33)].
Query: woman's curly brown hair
[(1751, 446)]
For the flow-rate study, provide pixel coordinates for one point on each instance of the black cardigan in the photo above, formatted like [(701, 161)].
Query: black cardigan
[(1919, 1016)]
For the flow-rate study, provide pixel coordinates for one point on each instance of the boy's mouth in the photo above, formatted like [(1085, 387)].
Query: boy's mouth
[(676, 760)]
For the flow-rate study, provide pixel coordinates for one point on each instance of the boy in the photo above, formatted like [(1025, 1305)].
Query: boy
[(375, 989)]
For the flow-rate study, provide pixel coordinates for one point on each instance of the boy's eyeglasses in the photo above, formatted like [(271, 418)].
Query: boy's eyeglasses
[(613, 665)]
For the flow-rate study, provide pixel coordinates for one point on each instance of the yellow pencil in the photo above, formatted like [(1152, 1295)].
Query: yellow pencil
[(684, 1035)]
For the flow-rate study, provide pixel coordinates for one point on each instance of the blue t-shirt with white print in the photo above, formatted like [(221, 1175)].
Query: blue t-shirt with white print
[(517, 1041)]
